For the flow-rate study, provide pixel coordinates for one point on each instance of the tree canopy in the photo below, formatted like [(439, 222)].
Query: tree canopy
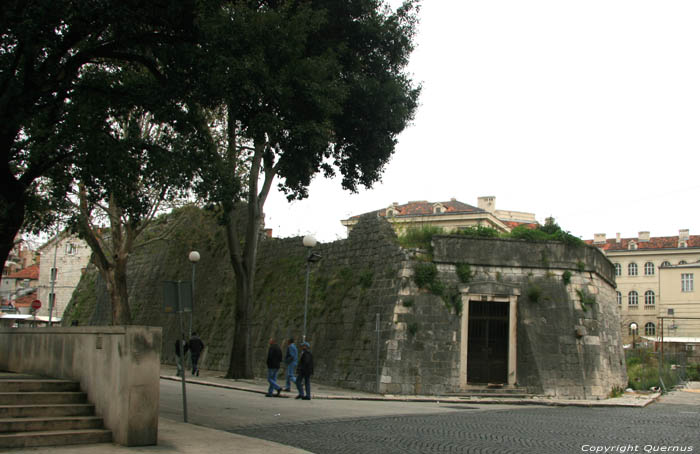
[(46, 47)]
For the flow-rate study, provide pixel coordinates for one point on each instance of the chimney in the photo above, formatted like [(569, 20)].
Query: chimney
[(487, 203), (683, 234), (643, 237), (598, 238), (618, 240), (452, 199)]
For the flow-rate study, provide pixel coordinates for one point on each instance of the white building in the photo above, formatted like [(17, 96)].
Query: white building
[(70, 255)]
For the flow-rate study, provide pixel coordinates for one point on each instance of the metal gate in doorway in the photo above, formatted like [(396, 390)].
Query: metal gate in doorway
[(487, 352)]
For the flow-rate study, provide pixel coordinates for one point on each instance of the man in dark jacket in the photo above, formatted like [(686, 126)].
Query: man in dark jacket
[(196, 346), (305, 371), (274, 358)]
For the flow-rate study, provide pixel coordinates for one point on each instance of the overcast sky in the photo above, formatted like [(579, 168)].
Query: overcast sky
[(588, 111)]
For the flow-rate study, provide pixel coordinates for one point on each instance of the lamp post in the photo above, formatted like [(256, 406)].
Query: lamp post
[(309, 242), (194, 258), (633, 328)]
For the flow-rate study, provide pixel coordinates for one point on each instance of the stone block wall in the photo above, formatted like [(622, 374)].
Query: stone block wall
[(564, 348)]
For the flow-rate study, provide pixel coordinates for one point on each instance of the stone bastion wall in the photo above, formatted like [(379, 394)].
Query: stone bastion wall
[(370, 325)]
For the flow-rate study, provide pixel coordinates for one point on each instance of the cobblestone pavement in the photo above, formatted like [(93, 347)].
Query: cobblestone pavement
[(561, 430)]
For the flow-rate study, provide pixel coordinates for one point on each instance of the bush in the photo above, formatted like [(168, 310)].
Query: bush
[(479, 231), (424, 274), (419, 237), (566, 277), (464, 273)]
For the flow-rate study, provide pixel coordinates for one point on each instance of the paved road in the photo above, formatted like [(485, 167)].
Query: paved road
[(325, 426)]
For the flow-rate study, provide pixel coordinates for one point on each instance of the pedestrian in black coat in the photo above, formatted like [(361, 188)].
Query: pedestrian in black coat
[(196, 346), (274, 359), (304, 372)]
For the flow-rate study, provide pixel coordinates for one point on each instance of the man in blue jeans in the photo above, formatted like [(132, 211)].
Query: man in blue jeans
[(305, 371), (291, 358), (274, 358)]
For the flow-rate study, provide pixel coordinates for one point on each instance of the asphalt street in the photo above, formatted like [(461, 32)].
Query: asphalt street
[(341, 426)]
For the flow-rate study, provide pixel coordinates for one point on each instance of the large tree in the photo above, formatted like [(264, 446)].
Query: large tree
[(45, 47), (307, 87)]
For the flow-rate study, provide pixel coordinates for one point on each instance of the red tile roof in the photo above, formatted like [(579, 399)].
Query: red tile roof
[(513, 224), (30, 272), (659, 242), (425, 208), (25, 301)]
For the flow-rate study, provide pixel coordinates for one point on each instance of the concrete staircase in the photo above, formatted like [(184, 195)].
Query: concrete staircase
[(38, 411)]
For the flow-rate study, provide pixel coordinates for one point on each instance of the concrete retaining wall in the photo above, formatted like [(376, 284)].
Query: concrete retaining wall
[(118, 368)]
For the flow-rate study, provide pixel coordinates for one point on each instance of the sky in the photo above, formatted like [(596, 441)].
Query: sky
[(587, 111)]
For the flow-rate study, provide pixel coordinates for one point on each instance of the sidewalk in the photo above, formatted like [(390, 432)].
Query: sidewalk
[(320, 391), (177, 437)]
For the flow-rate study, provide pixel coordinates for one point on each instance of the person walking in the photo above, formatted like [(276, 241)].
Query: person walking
[(179, 361), (274, 358), (291, 359), (196, 346), (305, 371)]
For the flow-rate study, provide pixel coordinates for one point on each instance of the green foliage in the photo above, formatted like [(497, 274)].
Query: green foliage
[(479, 231), (533, 292), (566, 277), (366, 278), (580, 266), (419, 237), (407, 302), (616, 392), (452, 299), (692, 372), (548, 232), (585, 298), (412, 328), (424, 274), (464, 273)]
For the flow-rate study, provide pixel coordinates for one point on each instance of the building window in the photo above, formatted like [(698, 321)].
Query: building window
[(632, 298), (619, 299), (649, 329), (630, 330), (632, 269), (687, 282), (649, 298), (71, 249), (682, 262), (648, 269), (618, 269), (666, 263)]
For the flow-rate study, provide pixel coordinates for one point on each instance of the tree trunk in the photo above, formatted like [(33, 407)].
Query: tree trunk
[(240, 365), (12, 212), (121, 314)]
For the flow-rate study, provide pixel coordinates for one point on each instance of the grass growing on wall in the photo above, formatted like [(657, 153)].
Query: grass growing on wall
[(419, 237)]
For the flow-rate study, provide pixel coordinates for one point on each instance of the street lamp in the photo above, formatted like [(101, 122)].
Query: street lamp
[(633, 328), (194, 258), (309, 242)]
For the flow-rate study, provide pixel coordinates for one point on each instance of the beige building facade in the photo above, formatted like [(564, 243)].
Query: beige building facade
[(450, 216), (71, 256), (648, 276)]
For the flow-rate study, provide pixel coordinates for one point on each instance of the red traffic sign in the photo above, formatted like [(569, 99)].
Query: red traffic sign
[(36, 304)]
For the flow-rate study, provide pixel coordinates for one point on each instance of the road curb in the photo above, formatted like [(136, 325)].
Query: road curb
[(639, 403)]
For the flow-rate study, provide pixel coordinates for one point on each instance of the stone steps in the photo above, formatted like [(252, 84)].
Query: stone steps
[(54, 438), (46, 412), (493, 392)]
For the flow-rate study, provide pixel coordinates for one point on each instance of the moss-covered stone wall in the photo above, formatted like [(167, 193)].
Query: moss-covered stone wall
[(568, 338)]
